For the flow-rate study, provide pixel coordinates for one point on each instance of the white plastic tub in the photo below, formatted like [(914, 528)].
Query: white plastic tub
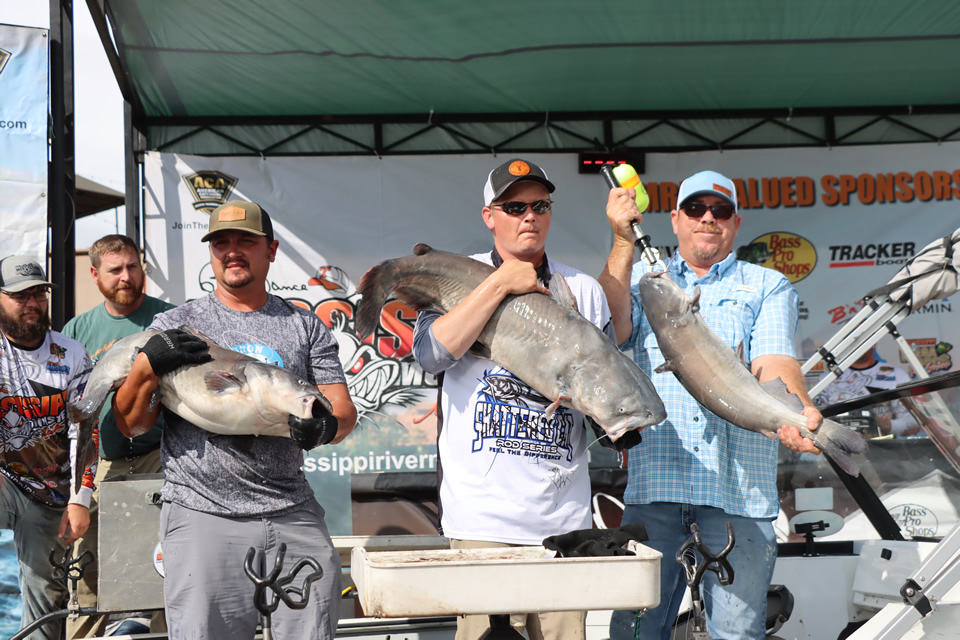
[(399, 584)]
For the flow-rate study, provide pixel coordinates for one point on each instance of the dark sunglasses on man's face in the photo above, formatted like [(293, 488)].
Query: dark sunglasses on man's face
[(697, 210), (516, 208)]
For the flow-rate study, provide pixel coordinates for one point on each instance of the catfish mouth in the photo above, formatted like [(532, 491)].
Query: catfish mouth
[(636, 421), (318, 408)]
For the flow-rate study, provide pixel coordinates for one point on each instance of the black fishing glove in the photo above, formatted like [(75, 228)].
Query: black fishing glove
[(171, 349), (596, 542), (309, 433), (627, 440)]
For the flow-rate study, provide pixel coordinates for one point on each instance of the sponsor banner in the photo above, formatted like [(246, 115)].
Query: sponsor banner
[(838, 223), (23, 141)]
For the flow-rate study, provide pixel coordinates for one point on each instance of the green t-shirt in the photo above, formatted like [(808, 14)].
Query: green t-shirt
[(97, 330)]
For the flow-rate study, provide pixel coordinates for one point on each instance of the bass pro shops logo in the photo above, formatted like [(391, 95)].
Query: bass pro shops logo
[(210, 189), (788, 253)]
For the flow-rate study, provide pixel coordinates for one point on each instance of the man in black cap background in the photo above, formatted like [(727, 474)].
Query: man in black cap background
[(225, 494), (40, 371), (508, 474)]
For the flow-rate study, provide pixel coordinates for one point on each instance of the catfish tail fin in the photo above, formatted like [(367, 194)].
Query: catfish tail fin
[(839, 442), (375, 289)]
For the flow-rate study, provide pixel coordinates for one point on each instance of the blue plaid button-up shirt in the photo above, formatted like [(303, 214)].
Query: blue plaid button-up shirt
[(694, 457)]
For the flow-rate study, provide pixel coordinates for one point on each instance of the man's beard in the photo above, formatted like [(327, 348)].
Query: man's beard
[(710, 253), (237, 280), (24, 331), (118, 297)]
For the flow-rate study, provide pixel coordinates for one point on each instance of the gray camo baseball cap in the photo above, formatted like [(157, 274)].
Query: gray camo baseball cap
[(21, 272)]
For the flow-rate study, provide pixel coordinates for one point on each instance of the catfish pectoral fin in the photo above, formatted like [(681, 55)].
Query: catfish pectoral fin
[(666, 367)]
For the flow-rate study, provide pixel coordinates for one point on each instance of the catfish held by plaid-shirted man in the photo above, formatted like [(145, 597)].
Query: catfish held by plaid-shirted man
[(716, 377), (542, 340)]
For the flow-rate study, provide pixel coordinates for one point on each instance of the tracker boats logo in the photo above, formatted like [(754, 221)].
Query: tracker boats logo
[(210, 189), (792, 255), (871, 255)]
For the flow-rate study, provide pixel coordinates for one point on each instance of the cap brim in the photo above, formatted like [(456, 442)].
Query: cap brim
[(528, 178), (707, 192), (252, 232), (29, 284)]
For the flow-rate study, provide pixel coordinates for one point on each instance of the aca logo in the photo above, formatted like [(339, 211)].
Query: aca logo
[(210, 189), (792, 255)]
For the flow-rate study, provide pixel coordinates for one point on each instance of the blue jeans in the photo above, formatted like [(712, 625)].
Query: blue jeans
[(734, 612)]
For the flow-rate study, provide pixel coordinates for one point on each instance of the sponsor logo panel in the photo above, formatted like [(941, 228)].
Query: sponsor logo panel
[(792, 255)]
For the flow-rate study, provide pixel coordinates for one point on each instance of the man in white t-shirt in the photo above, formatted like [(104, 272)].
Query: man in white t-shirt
[(868, 375), (508, 475), (40, 372)]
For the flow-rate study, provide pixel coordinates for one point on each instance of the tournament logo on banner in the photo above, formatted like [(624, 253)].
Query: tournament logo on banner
[(933, 353), (4, 58), (210, 189)]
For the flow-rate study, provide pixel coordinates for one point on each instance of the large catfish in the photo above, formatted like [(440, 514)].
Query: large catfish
[(233, 394), (548, 345), (716, 377)]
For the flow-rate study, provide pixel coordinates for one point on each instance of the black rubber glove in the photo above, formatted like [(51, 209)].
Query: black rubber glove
[(309, 433), (171, 349)]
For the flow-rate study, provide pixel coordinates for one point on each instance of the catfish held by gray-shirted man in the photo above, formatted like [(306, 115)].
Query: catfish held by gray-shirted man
[(542, 340), (233, 394), (716, 377)]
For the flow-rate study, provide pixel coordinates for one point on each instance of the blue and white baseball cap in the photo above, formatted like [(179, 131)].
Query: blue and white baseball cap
[(707, 183)]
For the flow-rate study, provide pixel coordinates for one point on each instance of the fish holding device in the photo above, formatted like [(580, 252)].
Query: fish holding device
[(624, 175)]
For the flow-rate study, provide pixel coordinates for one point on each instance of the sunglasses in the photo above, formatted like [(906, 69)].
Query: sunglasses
[(696, 210), (22, 298), (516, 208)]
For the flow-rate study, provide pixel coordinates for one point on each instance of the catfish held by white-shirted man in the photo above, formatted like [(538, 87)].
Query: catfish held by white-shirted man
[(542, 340), (716, 377)]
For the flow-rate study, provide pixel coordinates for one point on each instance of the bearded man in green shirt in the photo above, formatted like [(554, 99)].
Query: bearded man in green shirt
[(117, 269)]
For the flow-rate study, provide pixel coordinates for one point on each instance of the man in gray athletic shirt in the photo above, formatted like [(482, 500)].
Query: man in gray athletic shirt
[(224, 494)]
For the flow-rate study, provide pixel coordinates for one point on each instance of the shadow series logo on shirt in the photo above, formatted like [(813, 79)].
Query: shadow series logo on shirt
[(510, 419), (210, 189)]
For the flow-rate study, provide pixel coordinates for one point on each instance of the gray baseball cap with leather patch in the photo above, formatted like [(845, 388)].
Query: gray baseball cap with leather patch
[(240, 215)]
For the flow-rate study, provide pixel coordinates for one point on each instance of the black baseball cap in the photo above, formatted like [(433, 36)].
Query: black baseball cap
[(508, 174)]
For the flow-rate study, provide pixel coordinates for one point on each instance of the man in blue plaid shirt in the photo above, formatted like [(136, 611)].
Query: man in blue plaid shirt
[(695, 467)]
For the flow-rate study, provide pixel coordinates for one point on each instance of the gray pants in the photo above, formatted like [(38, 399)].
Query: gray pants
[(35, 535), (209, 597)]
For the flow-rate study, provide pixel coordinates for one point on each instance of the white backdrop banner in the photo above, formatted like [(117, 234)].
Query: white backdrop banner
[(838, 223), (23, 141)]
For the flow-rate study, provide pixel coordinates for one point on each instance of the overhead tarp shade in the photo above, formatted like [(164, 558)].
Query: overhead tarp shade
[(247, 58)]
